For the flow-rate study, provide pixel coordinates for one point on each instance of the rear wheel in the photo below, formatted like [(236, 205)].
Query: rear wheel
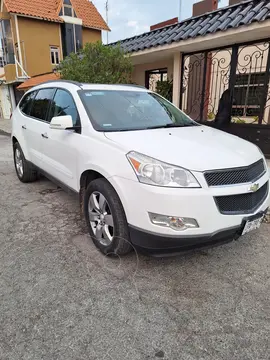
[(106, 219), (25, 170)]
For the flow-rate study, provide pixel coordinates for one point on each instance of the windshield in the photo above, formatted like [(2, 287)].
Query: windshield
[(114, 110)]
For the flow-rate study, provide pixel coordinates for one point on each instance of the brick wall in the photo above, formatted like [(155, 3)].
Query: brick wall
[(204, 6)]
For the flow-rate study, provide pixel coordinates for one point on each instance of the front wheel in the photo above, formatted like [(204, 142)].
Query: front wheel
[(106, 219)]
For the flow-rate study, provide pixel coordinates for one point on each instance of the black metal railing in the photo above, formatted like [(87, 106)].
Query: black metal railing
[(228, 85)]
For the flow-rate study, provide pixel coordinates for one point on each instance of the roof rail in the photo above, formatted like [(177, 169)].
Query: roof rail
[(132, 85), (60, 80), (81, 84)]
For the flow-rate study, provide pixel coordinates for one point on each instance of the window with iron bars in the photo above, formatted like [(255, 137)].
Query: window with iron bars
[(153, 76), (248, 91)]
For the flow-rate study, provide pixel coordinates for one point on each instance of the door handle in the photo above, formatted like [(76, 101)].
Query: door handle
[(24, 127), (45, 136)]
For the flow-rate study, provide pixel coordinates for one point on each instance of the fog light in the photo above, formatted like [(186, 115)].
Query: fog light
[(174, 222)]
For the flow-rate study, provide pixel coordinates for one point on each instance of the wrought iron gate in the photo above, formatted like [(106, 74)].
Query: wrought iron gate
[(230, 84)]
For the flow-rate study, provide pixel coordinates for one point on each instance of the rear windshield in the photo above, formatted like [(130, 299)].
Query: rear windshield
[(113, 110)]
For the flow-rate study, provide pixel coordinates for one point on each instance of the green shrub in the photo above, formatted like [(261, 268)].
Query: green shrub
[(97, 64), (165, 89), (211, 116)]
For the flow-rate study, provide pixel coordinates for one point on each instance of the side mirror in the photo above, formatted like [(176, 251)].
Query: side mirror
[(61, 122)]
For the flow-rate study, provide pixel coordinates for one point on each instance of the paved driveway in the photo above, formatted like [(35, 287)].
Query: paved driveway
[(61, 299)]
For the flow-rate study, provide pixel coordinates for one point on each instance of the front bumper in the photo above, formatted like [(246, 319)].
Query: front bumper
[(139, 200), (214, 227), (161, 245)]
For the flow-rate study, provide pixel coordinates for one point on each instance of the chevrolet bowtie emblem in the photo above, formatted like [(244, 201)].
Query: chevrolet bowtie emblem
[(254, 187)]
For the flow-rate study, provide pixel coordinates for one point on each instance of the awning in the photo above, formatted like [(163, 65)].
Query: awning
[(37, 80)]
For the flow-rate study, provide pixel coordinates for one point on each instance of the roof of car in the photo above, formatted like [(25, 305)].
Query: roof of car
[(73, 85), (113, 87)]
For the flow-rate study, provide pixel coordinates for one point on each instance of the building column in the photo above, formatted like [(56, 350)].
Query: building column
[(12, 97), (177, 78), (5, 101)]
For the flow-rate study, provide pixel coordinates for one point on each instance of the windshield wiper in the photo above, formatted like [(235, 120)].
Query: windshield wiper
[(172, 125)]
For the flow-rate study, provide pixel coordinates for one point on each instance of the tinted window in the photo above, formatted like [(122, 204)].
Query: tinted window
[(41, 103), (63, 104), (26, 103), (78, 35), (67, 11), (69, 37)]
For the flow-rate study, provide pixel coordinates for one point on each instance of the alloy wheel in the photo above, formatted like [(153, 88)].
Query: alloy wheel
[(19, 162), (101, 219)]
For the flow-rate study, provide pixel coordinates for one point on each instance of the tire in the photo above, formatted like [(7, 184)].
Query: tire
[(116, 237), (25, 171)]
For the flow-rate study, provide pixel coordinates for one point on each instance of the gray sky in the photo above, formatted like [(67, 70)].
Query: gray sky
[(132, 17)]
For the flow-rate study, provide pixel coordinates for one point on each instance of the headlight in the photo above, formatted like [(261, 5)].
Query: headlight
[(154, 172)]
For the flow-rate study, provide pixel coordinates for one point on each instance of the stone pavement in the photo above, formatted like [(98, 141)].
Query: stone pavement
[(62, 299)]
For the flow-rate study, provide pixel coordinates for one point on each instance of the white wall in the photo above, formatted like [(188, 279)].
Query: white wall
[(5, 103)]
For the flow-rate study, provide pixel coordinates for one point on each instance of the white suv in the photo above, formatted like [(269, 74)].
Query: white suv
[(148, 176)]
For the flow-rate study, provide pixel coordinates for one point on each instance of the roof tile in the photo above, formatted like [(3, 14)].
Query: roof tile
[(263, 12), (49, 10), (37, 80), (233, 16), (89, 14)]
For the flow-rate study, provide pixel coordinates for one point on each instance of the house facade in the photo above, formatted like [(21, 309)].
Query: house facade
[(36, 35), (217, 53)]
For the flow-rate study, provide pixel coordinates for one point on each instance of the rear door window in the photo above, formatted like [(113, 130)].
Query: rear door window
[(26, 103), (41, 104)]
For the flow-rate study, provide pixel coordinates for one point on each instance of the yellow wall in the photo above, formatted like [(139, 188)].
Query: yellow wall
[(4, 15), (10, 72), (4, 8), (90, 35), (36, 36)]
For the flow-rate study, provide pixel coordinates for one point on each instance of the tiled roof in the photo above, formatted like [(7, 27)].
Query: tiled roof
[(233, 16), (87, 11), (43, 9), (49, 10), (37, 80)]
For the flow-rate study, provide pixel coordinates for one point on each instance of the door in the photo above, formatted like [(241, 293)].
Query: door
[(60, 148), (34, 124)]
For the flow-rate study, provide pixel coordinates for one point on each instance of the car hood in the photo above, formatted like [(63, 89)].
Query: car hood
[(197, 148)]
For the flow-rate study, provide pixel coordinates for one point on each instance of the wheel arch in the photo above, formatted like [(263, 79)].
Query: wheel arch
[(86, 177), (14, 140), (22, 145), (89, 175)]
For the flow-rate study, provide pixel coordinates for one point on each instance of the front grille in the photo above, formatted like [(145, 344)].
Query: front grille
[(241, 175), (243, 203)]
